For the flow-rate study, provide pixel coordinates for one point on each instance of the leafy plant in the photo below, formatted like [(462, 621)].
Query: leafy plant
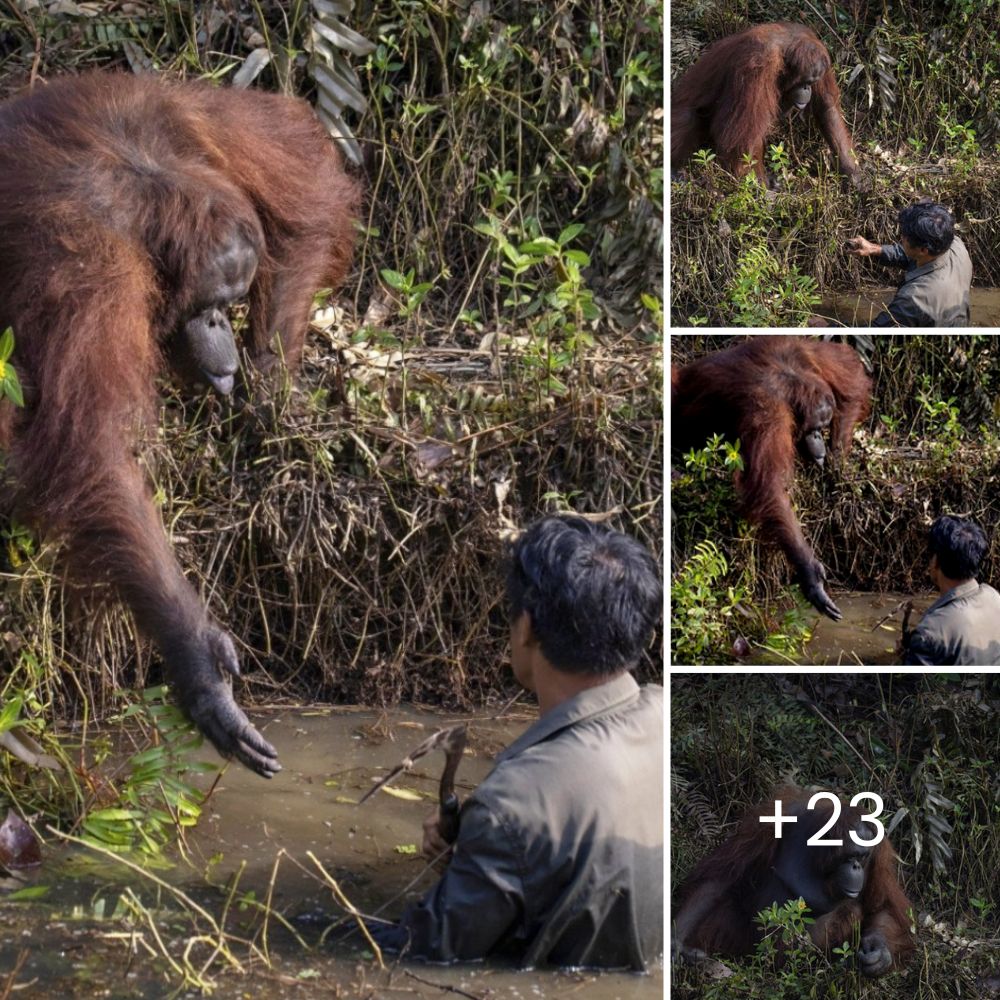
[(528, 266), (767, 292), (709, 470), (943, 428), (699, 615), (546, 289), (779, 159), (793, 632), (18, 543), (155, 801), (716, 456), (786, 923), (413, 292), (705, 498), (961, 141), (10, 385)]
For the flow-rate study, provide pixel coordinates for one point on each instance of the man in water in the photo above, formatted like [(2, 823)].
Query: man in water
[(962, 627), (559, 856), (935, 289)]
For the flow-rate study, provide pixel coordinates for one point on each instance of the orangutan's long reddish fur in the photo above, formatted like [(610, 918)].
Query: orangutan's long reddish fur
[(760, 391), (734, 871), (730, 99), (93, 171)]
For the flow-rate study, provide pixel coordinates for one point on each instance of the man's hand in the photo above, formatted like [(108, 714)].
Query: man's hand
[(435, 848), (861, 247)]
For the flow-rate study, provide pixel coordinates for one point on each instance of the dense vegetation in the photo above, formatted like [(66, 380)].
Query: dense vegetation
[(930, 447), (497, 355), (928, 745), (921, 95)]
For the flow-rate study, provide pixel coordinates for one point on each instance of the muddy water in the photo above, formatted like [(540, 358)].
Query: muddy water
[(866, 635), (258, 833), (859, 309)]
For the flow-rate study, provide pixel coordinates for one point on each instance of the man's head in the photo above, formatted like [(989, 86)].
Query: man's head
[(592, 596), (957, 546), (926, 230)]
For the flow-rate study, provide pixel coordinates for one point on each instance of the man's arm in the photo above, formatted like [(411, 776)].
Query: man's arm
[(891, 254), (922, 651), (478, 902), (903, 311)]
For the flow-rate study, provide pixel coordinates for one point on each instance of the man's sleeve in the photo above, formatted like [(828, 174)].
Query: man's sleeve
[(921, 651), (892, 256), (903, 311), (479, 900)]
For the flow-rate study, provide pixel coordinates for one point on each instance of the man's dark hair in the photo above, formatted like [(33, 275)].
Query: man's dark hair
[(959, 545), (929, 225), (593, 594)]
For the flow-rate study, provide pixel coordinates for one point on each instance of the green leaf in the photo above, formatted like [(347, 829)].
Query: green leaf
[(511, 253), (202, 766), (393, 278), (6, 343), (109, 834), (541, 245), (570, 233), (158, 754), (30, 892), (12, 387), (9, 713), (114, 815)]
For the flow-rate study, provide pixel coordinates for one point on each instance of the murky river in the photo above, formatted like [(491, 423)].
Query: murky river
[(252, 846), (866, 635), (860, 308)]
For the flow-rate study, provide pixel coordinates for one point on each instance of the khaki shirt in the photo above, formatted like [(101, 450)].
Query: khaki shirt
[(559, 858), (961, 628), (934, 294)]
